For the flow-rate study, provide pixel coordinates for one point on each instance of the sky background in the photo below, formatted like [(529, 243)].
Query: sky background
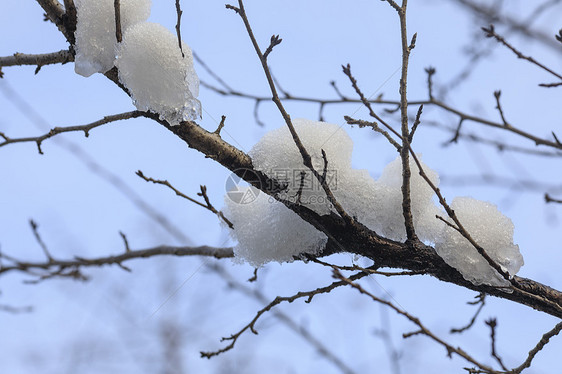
[(118, 321)]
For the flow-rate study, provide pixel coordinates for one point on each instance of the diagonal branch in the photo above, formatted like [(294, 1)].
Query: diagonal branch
[(309, 295), (491, 33), (203, 194), (307, 160), (422, 329)]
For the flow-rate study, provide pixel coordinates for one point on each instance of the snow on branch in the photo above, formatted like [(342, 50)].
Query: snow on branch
[(357, 237)]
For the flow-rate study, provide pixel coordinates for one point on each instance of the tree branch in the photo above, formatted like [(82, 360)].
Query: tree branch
[(59, 130), (309, 295), (54, 265), (40, 60)]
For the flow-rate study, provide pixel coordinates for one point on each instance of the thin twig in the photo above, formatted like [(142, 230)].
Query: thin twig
[(497, 95), (309, 295), (178, 25), (480, 302), (319, 345), (491, 33), (78, 262), (492, 323), (550, 199), (59, 130), (540, 345), (125, 241), (42, 244), (118, 33), (422, 329), (203, 194), (375, 127), (307, 159), (19, 59)]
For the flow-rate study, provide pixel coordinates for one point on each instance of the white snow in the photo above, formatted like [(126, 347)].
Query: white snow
[(268, 231), (95, 31), (492, 231), (422, 205), (277, 156), (159, 79)]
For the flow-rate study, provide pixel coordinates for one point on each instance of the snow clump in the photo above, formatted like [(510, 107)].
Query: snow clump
[(95, 31), (267, 230), (492, 231), (159, 79), (277, 155)]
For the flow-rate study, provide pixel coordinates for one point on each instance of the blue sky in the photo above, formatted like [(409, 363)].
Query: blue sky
[(115, 322)]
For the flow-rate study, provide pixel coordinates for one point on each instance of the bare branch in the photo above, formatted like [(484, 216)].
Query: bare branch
[(59, 130), (481, 302), (34, 227), (125, 241), (58, 266), (430, 72), (423, 330), (491, 33), (309, 295), (178, 25), (540, 345), (375, 127), (221, 125), (497, 95), (19, 59), (549, 199), (417, 121), (367, 103), (275, 40), (15, 310), (492, 323), (203, 194)]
